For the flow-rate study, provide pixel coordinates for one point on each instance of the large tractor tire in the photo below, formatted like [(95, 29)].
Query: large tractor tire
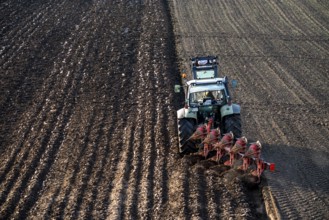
[(186, 128), (233, 123)]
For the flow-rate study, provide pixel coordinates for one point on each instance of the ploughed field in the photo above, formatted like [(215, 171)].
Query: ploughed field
[(88, 112), (279, 53), (88, 116)]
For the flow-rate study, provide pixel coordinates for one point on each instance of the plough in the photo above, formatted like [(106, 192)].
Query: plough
[(229, 151)]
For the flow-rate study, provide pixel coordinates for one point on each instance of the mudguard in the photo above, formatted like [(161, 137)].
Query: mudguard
[(230, 110), (186, 113)]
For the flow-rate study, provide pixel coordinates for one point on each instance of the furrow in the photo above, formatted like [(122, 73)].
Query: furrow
[(88, 164), (23, 35), (43, 103), (45, 145), (79, 151), (306, 9), (47, 105)]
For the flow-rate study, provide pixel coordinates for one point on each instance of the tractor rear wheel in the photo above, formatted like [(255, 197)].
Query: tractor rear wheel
[(233, 123), (186, 128)]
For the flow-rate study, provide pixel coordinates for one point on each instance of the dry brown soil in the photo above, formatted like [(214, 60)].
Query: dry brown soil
[(88, 112)]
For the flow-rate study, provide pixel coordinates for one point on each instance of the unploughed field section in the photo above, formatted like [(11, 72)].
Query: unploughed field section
[(279, 53)]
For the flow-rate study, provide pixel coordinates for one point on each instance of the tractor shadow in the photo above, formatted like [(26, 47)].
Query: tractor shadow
[(301, 175), (298, 165)]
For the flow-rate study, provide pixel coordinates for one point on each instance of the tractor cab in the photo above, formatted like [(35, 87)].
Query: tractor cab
[(208, 94)]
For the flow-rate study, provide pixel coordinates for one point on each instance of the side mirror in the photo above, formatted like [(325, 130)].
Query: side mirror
[(229, 100), (234, 83), (177, 88)]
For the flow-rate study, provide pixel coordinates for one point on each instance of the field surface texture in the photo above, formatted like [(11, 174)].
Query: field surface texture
[(88, 112), (279, 53)]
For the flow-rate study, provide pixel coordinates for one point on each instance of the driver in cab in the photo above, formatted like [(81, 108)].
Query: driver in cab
[(209, 98), (210, 95)]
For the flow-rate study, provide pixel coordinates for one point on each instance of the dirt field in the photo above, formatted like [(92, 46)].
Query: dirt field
[(88, 112), (279, 53)]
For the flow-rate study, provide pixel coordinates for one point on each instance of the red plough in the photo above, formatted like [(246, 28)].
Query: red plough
[(211, 140)]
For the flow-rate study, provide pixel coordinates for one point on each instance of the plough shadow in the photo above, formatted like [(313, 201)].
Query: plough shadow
[(301, 172), (298, 165)]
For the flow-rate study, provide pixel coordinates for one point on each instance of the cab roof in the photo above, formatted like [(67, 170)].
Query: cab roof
[(206, 85)]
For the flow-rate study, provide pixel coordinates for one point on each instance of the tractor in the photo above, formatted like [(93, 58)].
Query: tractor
[(208, 105), (209, 124)]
